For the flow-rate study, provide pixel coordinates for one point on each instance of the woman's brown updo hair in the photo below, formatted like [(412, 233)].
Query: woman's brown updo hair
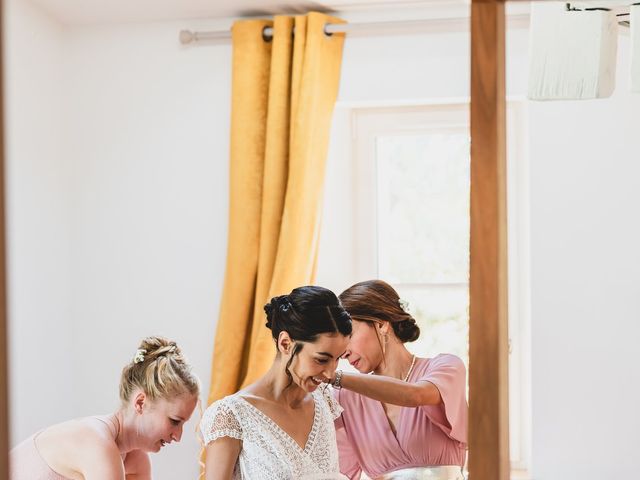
[(374, 301)]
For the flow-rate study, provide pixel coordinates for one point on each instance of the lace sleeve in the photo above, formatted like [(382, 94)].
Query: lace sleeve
[(219, 421), (334, 407)]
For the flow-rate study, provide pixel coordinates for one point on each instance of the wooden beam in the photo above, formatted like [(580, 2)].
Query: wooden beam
[(488, 335), (4, 391)]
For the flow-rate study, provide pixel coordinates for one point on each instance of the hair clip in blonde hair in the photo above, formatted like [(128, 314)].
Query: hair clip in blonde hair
[(404, 305), (139, 358)]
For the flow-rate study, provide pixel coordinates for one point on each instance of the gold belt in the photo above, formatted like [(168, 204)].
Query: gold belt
[(444, 472)]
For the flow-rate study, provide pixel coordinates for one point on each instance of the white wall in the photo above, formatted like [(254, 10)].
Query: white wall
[(585, 192), (117, 170), (149, 142), (118, 160), (38, 222)]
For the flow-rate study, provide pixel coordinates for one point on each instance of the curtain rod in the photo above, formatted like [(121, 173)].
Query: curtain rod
[(401, 26), (398, 26)]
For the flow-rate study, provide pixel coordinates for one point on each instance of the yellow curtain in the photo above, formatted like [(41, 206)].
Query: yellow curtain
[(283, 94)]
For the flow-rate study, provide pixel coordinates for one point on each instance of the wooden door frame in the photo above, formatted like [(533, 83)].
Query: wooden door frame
[(488, 322), (4, 391)]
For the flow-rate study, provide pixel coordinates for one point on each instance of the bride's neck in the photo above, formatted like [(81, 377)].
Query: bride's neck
[(281, 386)]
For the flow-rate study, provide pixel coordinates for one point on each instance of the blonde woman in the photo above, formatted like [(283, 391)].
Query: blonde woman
[(158, 392)]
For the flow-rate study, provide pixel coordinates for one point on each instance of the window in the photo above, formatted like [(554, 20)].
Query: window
[(422, 216), (410, 226)]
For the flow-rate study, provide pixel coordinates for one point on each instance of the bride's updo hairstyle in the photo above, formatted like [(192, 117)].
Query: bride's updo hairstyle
[(304, 314)]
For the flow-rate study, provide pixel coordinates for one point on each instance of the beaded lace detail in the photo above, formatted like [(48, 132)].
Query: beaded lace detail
[(268, 452)]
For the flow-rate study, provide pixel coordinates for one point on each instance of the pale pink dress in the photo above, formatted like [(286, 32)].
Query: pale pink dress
[(429, 435), (26, 463)]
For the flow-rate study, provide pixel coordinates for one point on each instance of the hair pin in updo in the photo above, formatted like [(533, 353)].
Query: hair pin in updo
[(404, 305), (285, 305), (139, 358)]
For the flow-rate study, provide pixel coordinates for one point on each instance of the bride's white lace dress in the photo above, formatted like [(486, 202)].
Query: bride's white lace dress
[(268, 452)]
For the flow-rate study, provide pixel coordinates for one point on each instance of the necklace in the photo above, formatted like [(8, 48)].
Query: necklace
[(413, 362)]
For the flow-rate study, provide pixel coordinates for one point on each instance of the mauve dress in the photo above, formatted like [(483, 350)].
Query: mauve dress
[(427, 436)]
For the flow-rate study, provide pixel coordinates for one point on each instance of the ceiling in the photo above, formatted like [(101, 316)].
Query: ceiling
[(86, 12)]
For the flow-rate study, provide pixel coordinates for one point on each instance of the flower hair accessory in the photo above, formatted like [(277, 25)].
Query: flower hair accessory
[(139, 358), (404, 305)]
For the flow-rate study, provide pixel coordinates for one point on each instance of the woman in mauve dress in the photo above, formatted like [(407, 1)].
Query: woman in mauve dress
[(408, 419)]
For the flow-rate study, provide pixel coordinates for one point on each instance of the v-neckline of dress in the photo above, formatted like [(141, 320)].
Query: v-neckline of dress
[(311, 435), (394, 435), (390, 430)]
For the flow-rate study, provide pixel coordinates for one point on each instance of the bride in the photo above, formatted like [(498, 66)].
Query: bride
[(282, 426)]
